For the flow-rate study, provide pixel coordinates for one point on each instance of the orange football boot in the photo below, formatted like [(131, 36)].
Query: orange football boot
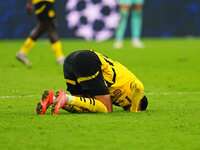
[(59, 102), (45, 102)]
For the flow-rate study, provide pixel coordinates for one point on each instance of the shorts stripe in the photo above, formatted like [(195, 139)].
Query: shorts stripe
[(81, 79), (70, 81), (38, 11), (38, 1)]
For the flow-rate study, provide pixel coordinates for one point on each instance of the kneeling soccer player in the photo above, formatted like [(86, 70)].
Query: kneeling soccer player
[(95, 82)]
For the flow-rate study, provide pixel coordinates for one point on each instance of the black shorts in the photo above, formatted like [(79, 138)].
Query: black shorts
[(44, 10), (83, 75)]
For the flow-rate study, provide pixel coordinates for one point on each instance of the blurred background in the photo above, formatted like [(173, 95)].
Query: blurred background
[(162, 18)]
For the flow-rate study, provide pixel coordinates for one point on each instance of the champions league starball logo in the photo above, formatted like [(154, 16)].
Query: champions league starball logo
[(92, 19)]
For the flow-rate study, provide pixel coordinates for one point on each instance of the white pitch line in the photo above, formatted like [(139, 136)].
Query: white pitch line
[(148, 93), (20, 96), (174, 93)]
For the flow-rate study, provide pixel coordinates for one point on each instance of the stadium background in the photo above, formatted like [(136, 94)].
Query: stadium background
[(161, 19)]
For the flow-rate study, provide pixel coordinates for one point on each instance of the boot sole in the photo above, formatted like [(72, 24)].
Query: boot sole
[(39, 107)]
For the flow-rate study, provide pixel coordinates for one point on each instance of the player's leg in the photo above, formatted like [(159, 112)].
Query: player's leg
[(73, 109), (83, 77), (48, 98), (90, 104), (52, 32), (30, 42), (55, 43), (136, 23), (40, 9), (120, 31)]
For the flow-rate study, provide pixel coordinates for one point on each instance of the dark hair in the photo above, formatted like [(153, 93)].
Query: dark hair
[(143, 103)]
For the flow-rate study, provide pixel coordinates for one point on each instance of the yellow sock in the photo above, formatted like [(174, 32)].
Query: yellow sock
[(72, 109), (90, 104), (28, 44), (138, 93), (57, 48)]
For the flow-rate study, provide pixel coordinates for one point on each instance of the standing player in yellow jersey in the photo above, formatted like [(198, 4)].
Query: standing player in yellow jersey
[(46, 23), (95, 82)]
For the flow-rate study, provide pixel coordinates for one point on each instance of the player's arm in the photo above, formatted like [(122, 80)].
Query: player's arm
[(135, 106), (29, 7), (138, 93)]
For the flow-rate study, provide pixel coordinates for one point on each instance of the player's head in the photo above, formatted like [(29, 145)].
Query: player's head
[(143, 103)]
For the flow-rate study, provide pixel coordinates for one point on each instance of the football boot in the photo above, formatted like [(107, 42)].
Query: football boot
[(60, 101), (45, 102)]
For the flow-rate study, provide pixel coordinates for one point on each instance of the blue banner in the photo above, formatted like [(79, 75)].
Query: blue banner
[(161, 18)]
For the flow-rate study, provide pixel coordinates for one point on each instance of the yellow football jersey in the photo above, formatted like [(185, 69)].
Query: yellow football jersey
[(118, 79), (37, 1)]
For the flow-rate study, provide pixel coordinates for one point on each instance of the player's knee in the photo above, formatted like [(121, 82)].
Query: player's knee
[(102, 108), (105, 110), (109, 109)]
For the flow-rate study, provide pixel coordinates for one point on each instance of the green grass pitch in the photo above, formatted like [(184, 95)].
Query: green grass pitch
[(168, 68)]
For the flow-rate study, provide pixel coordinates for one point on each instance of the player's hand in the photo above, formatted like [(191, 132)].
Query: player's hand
[(29, 8)]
